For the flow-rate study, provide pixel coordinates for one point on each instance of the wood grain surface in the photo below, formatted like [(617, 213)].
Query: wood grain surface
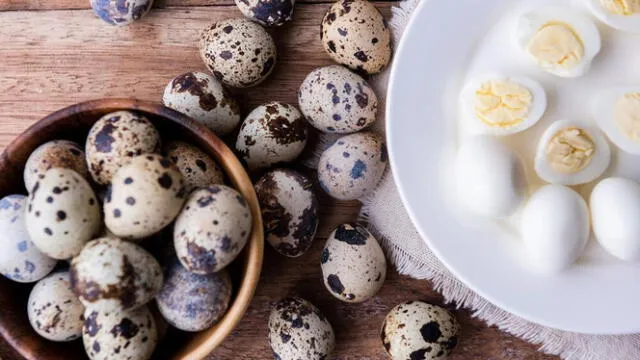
[(54, 53)]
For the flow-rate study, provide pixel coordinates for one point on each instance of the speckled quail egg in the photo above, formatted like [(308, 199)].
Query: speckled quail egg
[(289, 211), (355, 34), (20, 259), (55, 312), (298, 330), (417, 330), (623, 15), (112, 274), (240, 53), (62, 213), (115, 335), (267, 12), (335, 100), (56, 153), (144, 196), (352, 166), (212, 229), (118, 12), (203, 98), (115, 139), (353, 265), (197, 168), (193, 302), (272, 133)]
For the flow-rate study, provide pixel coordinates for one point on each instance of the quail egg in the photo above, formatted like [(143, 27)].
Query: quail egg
[(197, 168), (240, 53), (353, 265), (617, 112), (622, 15), (212, 229), (289, 211), (115, 139), (272, 133), (56, 153), (203, 98), (335, 100), (267, 12), (55, 312), (298, 330), (118, 12), (353, 165), (112, 274)]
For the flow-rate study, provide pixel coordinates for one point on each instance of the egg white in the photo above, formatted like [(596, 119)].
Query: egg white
[(628, 23), (603, 111)]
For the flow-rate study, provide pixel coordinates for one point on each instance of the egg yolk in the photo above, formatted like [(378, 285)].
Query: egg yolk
[(557, 44), (570, 150), (627, 115), (621, 7), (502, 103)]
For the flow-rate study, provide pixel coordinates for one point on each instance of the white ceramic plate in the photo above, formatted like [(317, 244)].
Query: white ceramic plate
[(598, 295)]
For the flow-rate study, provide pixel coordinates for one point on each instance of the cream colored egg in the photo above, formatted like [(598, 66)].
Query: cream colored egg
[(617, 112), (197, 168), (52, 154)]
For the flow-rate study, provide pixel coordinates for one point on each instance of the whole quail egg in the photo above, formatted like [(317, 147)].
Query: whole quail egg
[(238, 52), (62, 213), (112, 274), (335, 100), (118, 12), (197, 168), (118, 334), (353, 165), (144, 196), (267, 12), (355, 34), (417, 330), (289, 211), (193, 302), (203, 98), (55, 312), (353, 265), (20, 259), (298, 330), (115, 139), (272, 133), (212, 229), (56, 153)]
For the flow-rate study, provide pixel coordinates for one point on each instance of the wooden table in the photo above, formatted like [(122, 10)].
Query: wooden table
[(54, 53)]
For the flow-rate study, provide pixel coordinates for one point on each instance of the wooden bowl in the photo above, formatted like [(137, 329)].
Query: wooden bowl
[(73, 123)]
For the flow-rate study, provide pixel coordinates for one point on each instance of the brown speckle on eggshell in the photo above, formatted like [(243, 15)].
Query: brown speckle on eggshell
[(198, 169), (267, 12), (52, 154)]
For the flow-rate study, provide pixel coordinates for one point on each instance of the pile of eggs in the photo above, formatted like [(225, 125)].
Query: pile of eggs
[(572, 155)]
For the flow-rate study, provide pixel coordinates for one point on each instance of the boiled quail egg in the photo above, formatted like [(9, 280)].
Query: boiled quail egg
[(623, 15), (617, 112)]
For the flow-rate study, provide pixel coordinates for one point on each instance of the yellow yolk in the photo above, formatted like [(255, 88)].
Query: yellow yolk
[(502, 103), (570, 150), (621, 7), (627, 115), (557, 44)]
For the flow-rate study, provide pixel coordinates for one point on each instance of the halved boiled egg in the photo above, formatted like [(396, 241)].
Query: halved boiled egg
[(617, 112), (572, 153), (561, 41), (502, 105), (623, 15)]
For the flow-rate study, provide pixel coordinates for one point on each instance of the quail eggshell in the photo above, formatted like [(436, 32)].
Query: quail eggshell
[(56, 153), (144, 196), (238, 52), (353, 265), (289, 211), (267, 12), (197, 168), (118, 12), (417, 330), (112, 274), (298, 330), (271, 134), (335, 100), (353, 165), (20, 259), (55, 312), (115, 335), (115, 139), (193, 302), (62, 213), (212, 229), (356, 35), (203, 98)]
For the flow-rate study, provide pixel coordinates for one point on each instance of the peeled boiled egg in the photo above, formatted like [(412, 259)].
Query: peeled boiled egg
[(572, 153), (561, 41), (555, 228), (502, 105), (617, 112), (623, 15), (615, 210), (490, 177)]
